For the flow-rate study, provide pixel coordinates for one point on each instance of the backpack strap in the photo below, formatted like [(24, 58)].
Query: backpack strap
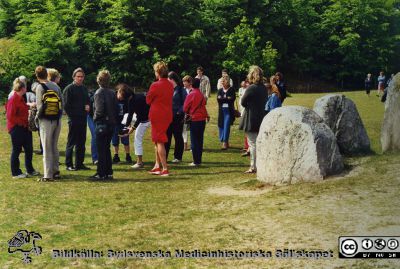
[(45, 88)]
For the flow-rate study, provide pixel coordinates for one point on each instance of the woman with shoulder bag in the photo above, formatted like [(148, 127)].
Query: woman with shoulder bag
[(17, 125)]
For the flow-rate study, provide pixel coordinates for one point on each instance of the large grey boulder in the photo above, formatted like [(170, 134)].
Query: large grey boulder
[(341, 115), (294, 145), (390, 136)]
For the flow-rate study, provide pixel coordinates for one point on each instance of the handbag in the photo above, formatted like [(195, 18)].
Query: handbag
[(32, 125), (187, 119)]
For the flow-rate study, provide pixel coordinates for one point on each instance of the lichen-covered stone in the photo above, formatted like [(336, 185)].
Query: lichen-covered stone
[(294, 145), (341, 115)]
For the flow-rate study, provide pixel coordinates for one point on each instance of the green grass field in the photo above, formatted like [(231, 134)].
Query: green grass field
[(212, 207)]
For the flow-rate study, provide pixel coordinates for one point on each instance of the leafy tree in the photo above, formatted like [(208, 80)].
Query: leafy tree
[(244, 48)]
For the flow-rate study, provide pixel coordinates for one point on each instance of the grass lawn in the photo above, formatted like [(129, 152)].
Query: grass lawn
[(212, 207)]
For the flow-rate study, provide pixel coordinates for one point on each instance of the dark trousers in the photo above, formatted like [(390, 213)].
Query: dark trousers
[(196, 139), (77, 139), (21, 138), (176, 129), (103, 141)]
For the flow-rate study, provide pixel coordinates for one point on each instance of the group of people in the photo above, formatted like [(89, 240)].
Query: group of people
[(171, 108), (382, 83)]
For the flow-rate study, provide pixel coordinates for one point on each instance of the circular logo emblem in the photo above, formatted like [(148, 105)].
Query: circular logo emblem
[(392, 244), (367, 244), (380, 244), (349, 247)]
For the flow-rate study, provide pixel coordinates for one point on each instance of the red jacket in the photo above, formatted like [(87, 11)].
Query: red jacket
[(195, 105), (17, 112), (159, 98)]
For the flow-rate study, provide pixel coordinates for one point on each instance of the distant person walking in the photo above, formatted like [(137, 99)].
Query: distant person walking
[(205, 86), (159, 98), (17, 111), (253, 102), (105, 115), (76, 106), (226, 111), (381, 83), (195, 107), (49, 105), (368, 84)]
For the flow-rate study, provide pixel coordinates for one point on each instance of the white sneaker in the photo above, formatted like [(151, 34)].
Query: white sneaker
[(194, 164), (20, 176), (176, 161), (138, 166)]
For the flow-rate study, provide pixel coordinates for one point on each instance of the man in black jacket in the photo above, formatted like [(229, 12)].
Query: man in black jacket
[(76, 106)]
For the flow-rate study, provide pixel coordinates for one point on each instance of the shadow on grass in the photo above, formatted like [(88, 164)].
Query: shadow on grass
[(235, 150), (143, 176)]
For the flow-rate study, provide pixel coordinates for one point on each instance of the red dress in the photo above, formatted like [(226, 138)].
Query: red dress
[(159, 98)]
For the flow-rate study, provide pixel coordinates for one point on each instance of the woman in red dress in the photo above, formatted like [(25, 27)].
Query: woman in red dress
[(159, 98)]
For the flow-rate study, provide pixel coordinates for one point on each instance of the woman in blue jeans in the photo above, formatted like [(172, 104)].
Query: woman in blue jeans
[(226, 112)]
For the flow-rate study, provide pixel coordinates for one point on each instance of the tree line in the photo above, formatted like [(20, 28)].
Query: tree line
[(336, 41)]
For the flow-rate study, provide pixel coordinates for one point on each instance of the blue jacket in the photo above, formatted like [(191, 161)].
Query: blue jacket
[(178, 100), (272, 102)]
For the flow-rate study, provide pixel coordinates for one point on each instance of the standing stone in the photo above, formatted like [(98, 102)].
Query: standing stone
[(293, 145), (390, 136), (341, 115)]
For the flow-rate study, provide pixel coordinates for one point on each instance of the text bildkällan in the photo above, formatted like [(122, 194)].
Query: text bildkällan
[(192, 254)]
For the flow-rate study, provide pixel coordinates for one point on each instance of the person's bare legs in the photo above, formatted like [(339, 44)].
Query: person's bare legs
[(157, 164), (127, 149), (162, 155)]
